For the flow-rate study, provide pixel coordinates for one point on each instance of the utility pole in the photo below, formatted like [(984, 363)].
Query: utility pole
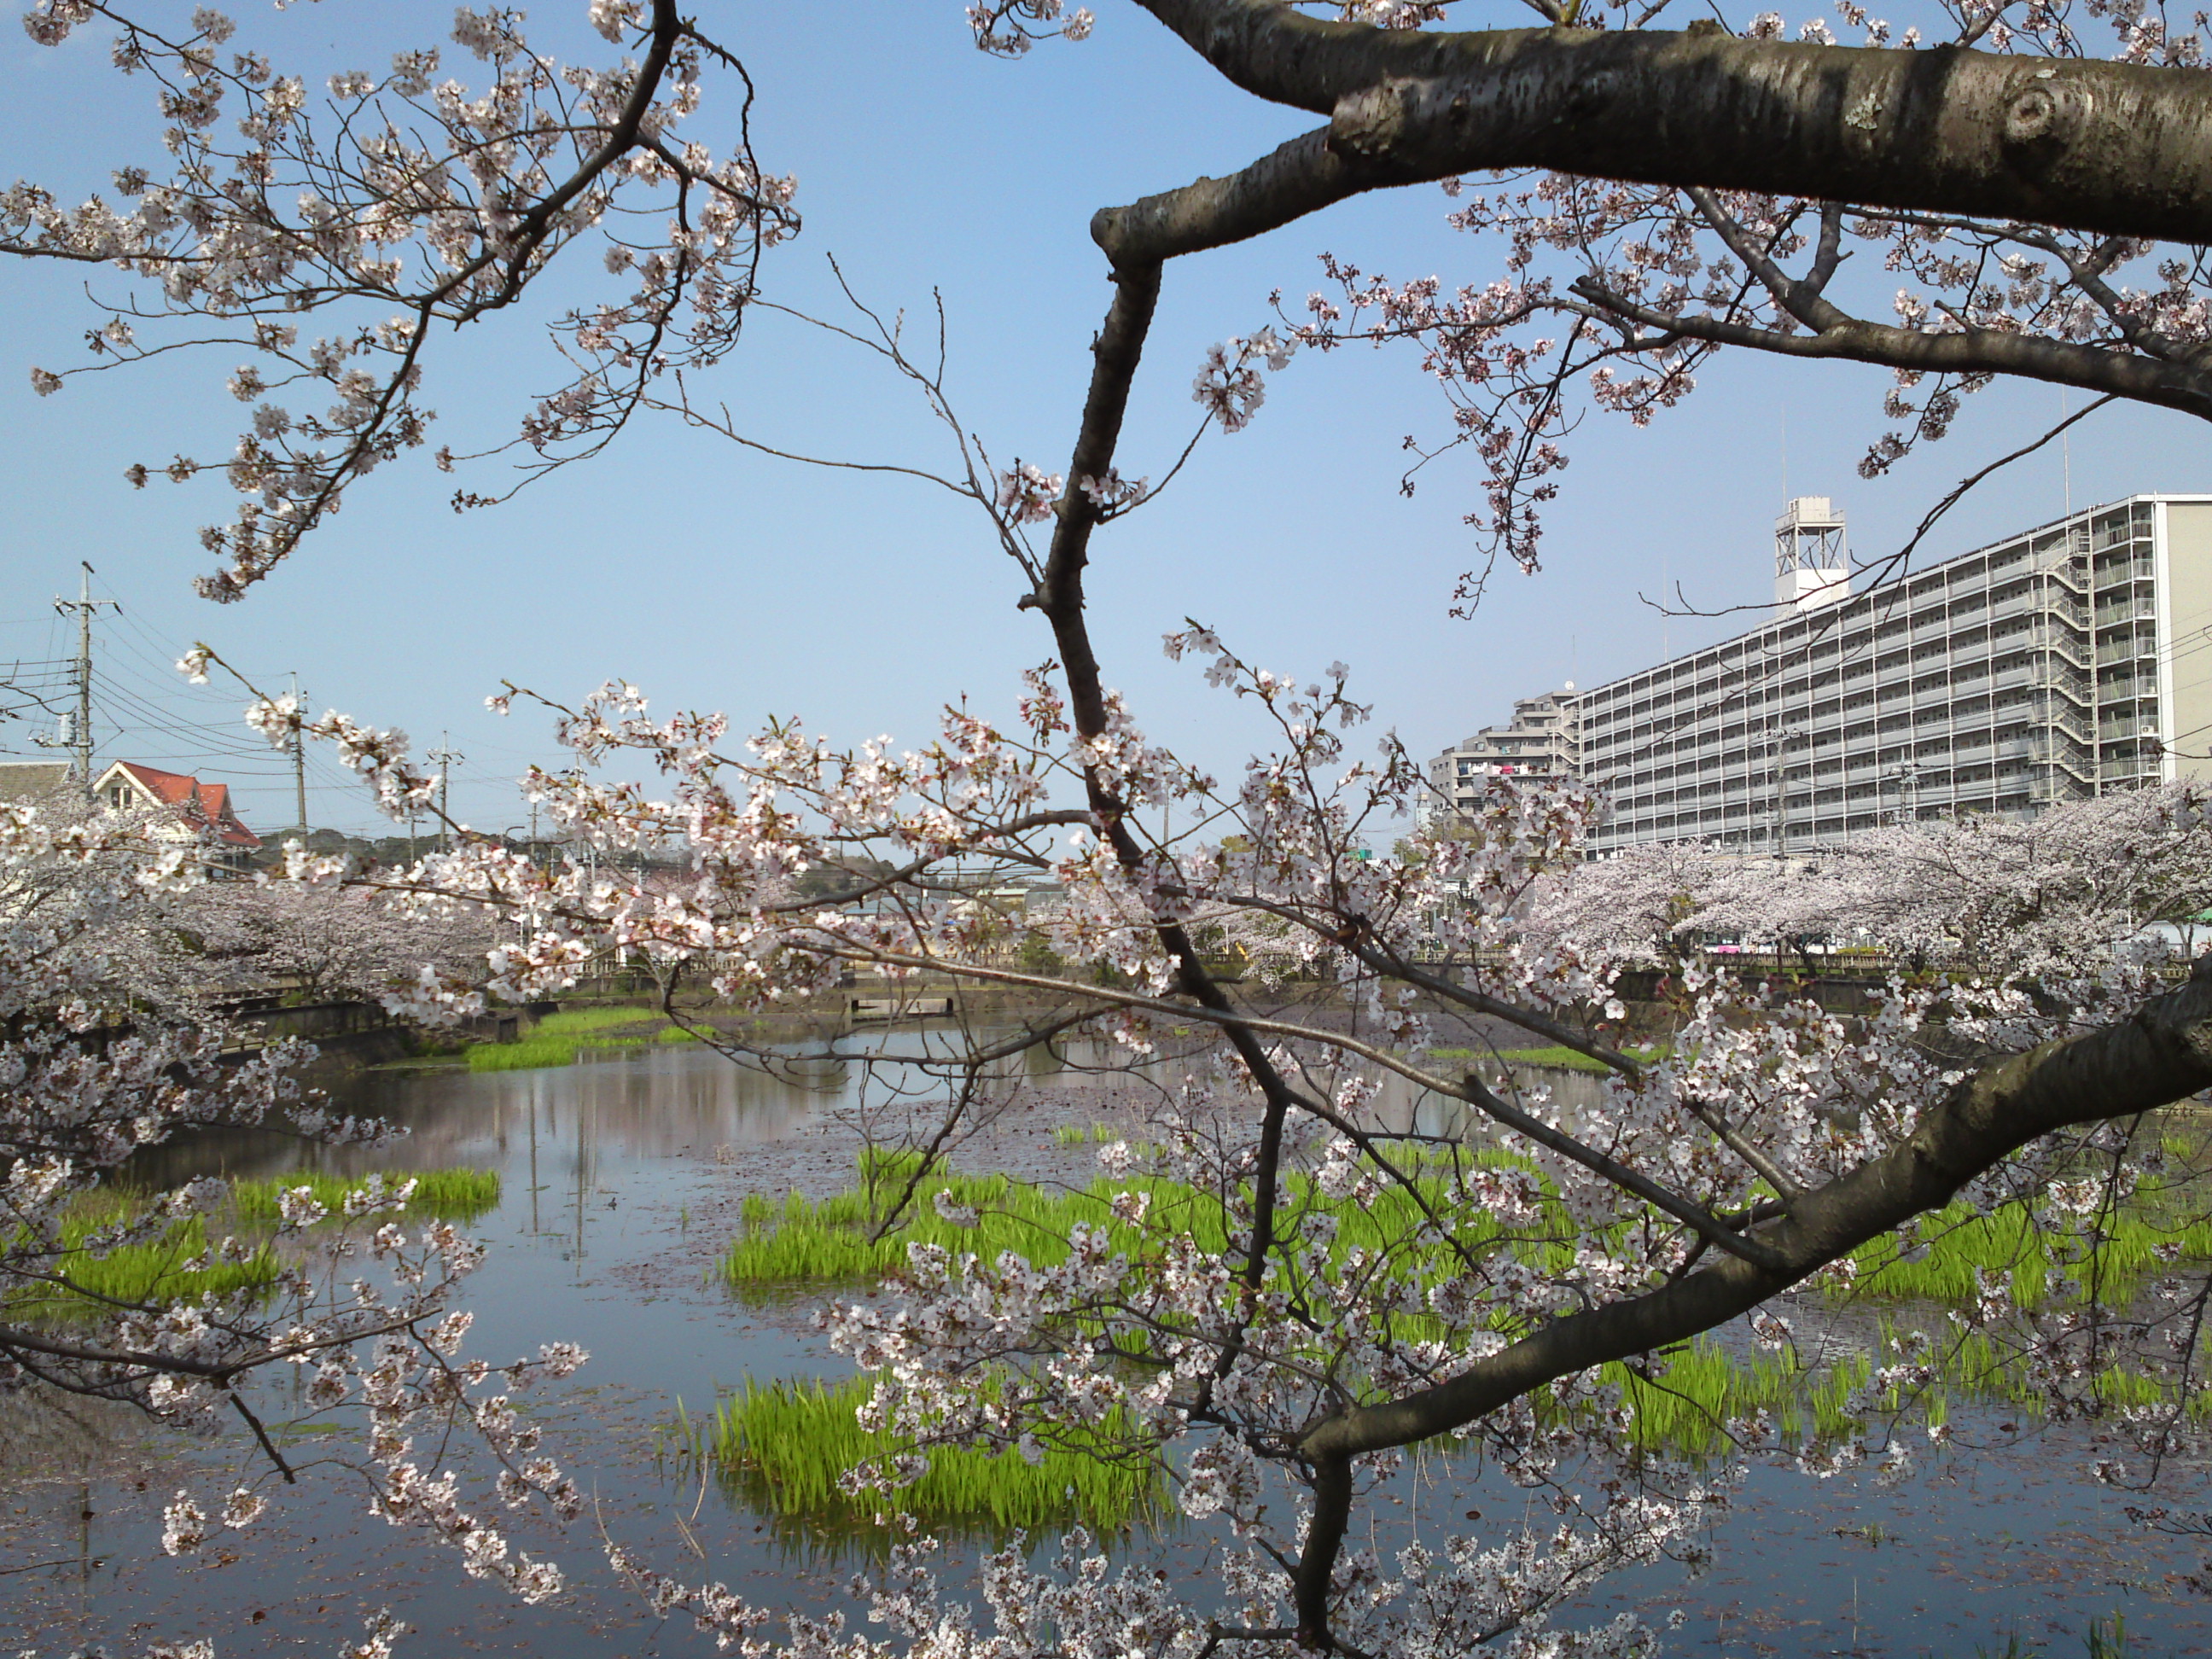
[(299, 760), (80, 738), (448, 759)]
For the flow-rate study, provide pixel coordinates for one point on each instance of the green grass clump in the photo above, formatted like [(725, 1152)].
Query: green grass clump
[(153, 1272), (1682, 1405), (832, 1241), (803, 1243), (1679, 1401), (1073, 1134), (526, 1055), (784, 1447), (555, 1040), (573, 1021), (1951, 1243), (453, 1195)]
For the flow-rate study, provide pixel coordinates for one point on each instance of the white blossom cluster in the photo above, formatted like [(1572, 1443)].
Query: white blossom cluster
[(392, 202), (1008, 29), (2066, 893)]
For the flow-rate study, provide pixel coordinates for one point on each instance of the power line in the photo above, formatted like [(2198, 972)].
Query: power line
[(33, 685), (214, 736), (150, 706), (155, 678), (147, 717)]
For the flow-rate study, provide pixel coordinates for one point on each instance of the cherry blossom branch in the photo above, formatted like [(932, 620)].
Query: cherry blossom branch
[(2163, 1054), (1978, 352), (477, 211)]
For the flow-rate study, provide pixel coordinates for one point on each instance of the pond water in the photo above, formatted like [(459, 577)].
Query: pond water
[(621, 1176)]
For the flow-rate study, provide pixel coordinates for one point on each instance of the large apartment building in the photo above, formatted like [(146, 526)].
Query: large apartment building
[(2066, 660)]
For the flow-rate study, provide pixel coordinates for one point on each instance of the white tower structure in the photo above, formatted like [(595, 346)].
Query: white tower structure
[(1811, 568)]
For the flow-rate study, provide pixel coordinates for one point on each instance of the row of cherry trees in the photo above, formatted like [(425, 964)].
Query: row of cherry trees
[(186, 944), (2081, 884)]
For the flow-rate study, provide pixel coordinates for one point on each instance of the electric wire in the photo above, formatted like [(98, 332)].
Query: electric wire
[(144, 717), (146, 705)]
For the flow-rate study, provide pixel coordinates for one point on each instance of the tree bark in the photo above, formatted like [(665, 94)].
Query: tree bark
[(2091, 145)]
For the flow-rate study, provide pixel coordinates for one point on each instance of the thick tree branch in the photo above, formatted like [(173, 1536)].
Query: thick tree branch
[(2162, 1054), (2093, 145), (1303, 176)]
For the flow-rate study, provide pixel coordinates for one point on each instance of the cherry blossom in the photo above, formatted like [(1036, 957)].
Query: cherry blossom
[(1222, 1321), (387, 205)]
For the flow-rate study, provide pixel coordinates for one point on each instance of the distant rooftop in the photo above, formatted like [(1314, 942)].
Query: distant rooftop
[(33, 780)]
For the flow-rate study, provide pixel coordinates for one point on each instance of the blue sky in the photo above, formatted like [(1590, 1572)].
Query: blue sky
[(715, 578)]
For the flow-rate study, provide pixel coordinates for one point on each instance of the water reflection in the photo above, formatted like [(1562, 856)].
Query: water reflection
[(549, 1130), (621, 1178), (668, 1102)]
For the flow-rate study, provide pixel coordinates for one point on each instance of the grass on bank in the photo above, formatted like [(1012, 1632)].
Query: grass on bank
[(556, 1040), (158, 1270), (784, 1446)]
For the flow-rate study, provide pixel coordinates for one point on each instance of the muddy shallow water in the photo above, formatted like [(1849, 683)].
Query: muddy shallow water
[(621, 1177)]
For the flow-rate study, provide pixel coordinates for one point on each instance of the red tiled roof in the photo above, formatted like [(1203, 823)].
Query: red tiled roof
[(215, 805), (171, 787), (205, 802)]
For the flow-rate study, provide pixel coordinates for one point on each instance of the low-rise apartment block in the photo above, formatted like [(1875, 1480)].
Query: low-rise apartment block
[(1537, 743)]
